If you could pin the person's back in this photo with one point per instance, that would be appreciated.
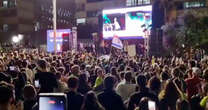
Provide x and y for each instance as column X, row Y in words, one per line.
column 47, row 81
column 144, row 92
column 28, row 105
column 109, row 98
column 29, row 94
column 75, row 100
column 7, row 96
column 194, row 83
column 91, row 102
column 125, row 89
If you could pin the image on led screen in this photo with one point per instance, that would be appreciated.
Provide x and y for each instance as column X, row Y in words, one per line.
column 127, row 22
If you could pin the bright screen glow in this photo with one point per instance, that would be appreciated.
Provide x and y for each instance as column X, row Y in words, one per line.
column 127, row 23
column 51, row 103
column 59, row 39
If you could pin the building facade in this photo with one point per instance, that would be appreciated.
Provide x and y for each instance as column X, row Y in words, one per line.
column 16, row 17
column 32, row 18
column 87, row 11
column 44, row 18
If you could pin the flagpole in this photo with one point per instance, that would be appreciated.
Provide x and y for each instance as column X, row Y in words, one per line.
column 54, row 24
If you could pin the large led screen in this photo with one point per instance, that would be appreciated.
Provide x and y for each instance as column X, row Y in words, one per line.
column 60, row 39
column 127, row 23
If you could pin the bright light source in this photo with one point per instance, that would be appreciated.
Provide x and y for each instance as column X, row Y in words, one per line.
column 15, row 39
column 20, row 36
column 183, row 45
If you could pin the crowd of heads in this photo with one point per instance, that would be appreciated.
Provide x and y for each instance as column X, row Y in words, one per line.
column 118, row 82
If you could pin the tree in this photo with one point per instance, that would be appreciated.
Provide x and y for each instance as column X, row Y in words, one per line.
column 192, row 34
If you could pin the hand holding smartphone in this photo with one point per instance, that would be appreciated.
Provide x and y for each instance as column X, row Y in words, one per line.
column 151, row 105
column 37, row 84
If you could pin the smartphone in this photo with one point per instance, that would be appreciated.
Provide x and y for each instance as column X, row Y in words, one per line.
column 151, row 105
column 37, row 84
column 12, row 68
column 52, row 101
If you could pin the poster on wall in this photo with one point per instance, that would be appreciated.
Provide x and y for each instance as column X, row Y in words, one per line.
column 131, row 50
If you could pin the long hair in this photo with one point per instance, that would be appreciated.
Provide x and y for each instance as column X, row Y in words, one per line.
column 170, row 93
column 91, row 102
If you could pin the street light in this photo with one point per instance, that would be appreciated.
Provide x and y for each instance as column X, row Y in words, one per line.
column 15, row 39
column 20, row 36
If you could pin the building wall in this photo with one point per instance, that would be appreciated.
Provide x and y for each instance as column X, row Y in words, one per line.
column 33, row 18
column 91, row 10
column 16, row 18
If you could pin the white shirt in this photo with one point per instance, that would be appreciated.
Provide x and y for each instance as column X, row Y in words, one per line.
column 125, row 89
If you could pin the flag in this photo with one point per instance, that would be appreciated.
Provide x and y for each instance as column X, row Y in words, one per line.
column 117, row 43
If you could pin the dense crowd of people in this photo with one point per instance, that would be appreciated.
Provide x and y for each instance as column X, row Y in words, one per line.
column 90, row 82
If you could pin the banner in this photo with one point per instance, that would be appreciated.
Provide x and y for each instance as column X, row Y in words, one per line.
column 131, row 50
column 117, row 43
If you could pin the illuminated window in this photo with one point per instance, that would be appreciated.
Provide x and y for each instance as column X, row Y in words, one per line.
column 92, row 13
column 194, row 4
column 5, row 4
column 5, row 27
column 81, row 20
column 136, row 2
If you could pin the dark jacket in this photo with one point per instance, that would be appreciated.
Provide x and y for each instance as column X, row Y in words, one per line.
column 47, row 81
column 136, row 98
column 75, row 100
column 28, row 104
column 110, row 100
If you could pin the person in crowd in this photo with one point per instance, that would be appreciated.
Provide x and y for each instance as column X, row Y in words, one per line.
column 62, row 86
column 75, row 70
column 126, row 88
column 194, row 83
column 114, row 72
column 30, row 75
column 7, row 99
column 109, row 99
column 155, row 85
column 168, row 97
column 143, row 92
column 122, row 76
column 83, row 69
column 205, row 96
column 91, row 102
column 5, row 77
column 83, row 84
column 177, row 80
column 143, row 104
column 164, row 77
column 30, row 97
column 99, row 80
column 182, row 105
column 47, row 80
column 75, row 99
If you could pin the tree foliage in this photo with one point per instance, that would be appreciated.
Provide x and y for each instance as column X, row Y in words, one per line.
column 193, row 33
